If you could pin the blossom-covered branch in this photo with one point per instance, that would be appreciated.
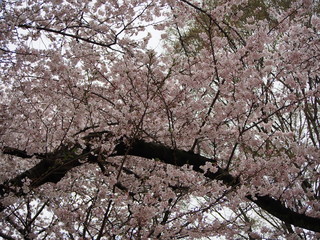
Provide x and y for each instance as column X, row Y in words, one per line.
column 54, row 166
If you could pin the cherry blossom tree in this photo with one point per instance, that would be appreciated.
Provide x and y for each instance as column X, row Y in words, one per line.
column 103, row 137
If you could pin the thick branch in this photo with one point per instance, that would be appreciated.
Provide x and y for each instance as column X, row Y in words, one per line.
column 176, row 157
column 277, row 209
column 52, row 170
column 180, row 158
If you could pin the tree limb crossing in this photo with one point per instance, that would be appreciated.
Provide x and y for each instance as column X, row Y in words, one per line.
column 52, row 169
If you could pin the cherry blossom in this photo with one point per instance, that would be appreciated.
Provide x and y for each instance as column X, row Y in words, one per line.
column 216, row 135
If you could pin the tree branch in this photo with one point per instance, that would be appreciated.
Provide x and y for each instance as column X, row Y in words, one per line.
column 52, row 169
column 230, row 40
column 60, row 32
